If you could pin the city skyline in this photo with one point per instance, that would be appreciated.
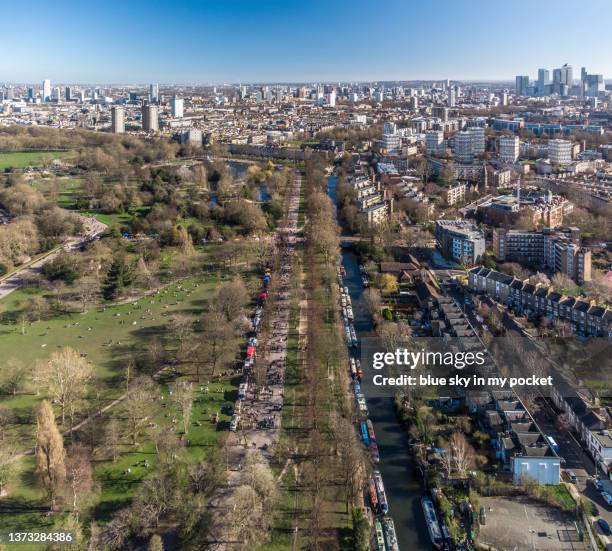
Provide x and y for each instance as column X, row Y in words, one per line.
column 206, row 43
column 225, row 225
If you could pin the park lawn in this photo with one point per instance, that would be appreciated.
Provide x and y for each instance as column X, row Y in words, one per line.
column 111, row 220
column 26, row 506
column 67, row 190
column 116, row 331
column 11, row 303
column 116, row 220
column 105, row 334
column 23, row 159
column 118, row 485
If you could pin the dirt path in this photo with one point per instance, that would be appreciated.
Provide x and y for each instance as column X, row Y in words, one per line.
column 264, row 405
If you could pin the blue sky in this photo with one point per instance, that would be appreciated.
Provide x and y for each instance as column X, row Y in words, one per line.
column 200, row 41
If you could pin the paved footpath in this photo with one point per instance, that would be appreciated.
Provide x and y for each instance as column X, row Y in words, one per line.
column 92, row 229
column 262, row 408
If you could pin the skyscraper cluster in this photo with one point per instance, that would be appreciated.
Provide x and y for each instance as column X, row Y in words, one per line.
column 562, row 83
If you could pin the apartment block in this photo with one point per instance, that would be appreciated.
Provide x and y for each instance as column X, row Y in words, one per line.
column 454, row 194
column 460, row 240
column 150, row 121
column 560, row 152
column 434, row 142
column 468, row 144
column 117, row 120
column 509, row 149
column 555, row 251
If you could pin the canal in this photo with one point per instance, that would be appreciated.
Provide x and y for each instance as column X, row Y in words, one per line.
column 403, row 490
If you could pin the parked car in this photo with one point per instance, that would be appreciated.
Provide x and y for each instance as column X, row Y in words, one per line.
column 604, row 527
column 607, row 498
column 571, row 476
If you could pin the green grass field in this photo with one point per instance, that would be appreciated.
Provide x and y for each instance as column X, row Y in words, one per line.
column 118, row 485
column 66, row 191
column 23, row 159
column 26, row 507
column 107, row 336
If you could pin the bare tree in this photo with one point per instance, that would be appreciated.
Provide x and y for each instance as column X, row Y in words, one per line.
column 217, row 340
column 181, row 326
column 231, row 298
column 138, row 407
column 50, row 454
column 112, row 438
column 373, row 297
column 563, row 328
column 116, row 533
column 80, row 483
column 446, row 460
column 128, row 374
column 350, row 458
column 247, row 519
column 8, row 452
column 6, row 419
column 65, row 376
column 168, row 446
column 86, row 292
column 393, row 335
column 462, row 452
column 185, row 242
column 182, row 397
column 563, row 283
column 600, row 287
column 200, row 176
column 261, row 479
column 14, row 376
column 155, row 355
column 36, row 307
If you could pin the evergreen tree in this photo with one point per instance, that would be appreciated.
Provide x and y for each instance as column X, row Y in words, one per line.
column 119, row 276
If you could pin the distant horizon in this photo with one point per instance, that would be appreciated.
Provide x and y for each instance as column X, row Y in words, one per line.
column 259, row 83
column 286, row 41
column 270, row 83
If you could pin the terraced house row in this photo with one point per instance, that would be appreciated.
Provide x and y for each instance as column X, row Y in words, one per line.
column 585, row 317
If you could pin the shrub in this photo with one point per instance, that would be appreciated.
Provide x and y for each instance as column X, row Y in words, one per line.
column 64, row 267
column 361, row 529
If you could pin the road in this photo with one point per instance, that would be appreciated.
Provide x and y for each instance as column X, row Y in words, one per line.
column 92, row 228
